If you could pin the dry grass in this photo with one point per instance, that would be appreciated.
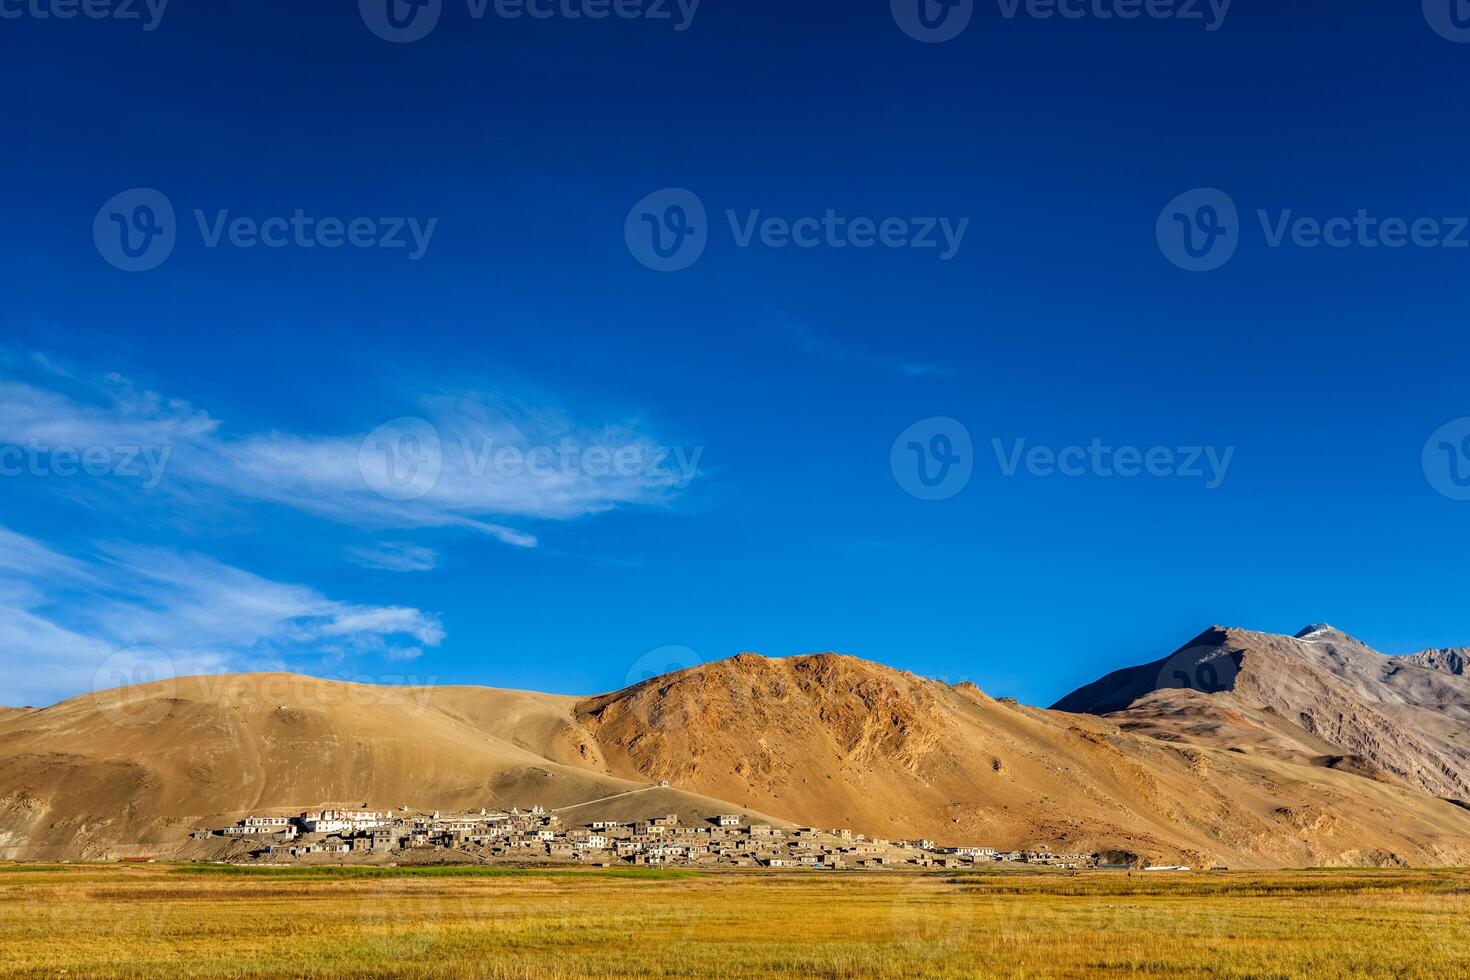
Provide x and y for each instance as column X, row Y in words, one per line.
column 157, row 920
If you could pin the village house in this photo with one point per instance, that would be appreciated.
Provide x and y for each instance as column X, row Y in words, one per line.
column 535, row 834
column 269, row 825
column 244, row 831
column 337, row 821
column 592, row 842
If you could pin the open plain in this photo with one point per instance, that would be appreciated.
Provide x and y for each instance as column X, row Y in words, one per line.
column 220, row 921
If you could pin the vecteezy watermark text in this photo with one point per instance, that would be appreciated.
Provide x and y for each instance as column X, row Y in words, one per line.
column 149, row 13
column 304, row 231
column 569, row 458
column 678, row 12
column 832, row 230
column 1097, row 459
column 934, row 21
column 669, row 230
column 404, row 21
column 136, row 230
column 404, row 459
column 132, row 462
column 1363, row 230
column 934, row 459
column 1210, row 14
column 1200, row 230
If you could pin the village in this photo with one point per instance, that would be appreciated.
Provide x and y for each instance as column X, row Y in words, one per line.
column 535, row 835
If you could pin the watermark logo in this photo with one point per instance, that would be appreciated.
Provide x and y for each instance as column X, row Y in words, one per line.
column 1199, row 230
column 660, row 661
column 401, row 925
column 671, row 704
column 1362, row 230
column 405, row 459
column 1449, row 18
column 292, row 694
column 405, row 21
column 1206, row 669
column 678, row 12
column 933, row 459
column 135, row 231
column 302, row 230
column 148, row 12
column 127, row 685
column 933, row 21
column 145, row 463
column 1098, row 459
column 673, row 466
column 1109, row 909
column 836, row 231
column 401, row 21
column 936, row 21
column 1446, row 459
column 1210, row 13
column 931, row 920
column 401, row 459
column 668, row 230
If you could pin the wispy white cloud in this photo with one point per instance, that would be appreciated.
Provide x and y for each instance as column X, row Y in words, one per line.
column 484, row 463
column 395, row 557
column 116, row 415
column 26, row 557
column 68, row 621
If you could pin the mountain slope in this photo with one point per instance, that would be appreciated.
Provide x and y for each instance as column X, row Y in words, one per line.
column 1320, row 697
column 831, row 740
column 1450, row 661
column 139, row 768
column 825, row 740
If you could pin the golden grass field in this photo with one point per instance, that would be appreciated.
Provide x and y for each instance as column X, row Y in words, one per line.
column 163, row 920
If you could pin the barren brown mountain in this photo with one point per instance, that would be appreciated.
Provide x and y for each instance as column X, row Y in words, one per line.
column 826, row 740
column 1319, row 698
column 134, row 770
column 832, row 740
column 1450, row 661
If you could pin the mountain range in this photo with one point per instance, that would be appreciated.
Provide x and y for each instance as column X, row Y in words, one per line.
column 1241, row 749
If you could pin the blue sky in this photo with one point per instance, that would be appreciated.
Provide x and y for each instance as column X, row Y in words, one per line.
column 525, row 316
